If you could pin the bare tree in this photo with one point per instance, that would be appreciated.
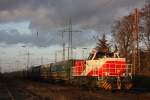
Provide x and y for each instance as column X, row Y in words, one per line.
column 145, row 35
column 123, row 30
column 122, row 34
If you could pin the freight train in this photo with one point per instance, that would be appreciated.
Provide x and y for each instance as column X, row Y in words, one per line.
column 101, row 70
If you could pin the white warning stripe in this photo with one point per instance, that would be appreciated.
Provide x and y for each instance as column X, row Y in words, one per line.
column 93, row 64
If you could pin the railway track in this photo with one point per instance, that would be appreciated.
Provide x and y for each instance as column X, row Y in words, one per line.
column 5, row 94
column 10, row 94
column 10, row 91
column 20, row 89
column 56, row 91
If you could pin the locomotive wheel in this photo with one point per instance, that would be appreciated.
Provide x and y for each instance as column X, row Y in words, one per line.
column 128, row 86
column 92, row 84
column 127, row 83
column 119, row 85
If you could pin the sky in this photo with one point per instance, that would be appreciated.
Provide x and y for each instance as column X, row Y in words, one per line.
column 20, row 20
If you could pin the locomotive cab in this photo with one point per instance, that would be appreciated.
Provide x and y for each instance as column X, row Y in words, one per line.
column 99, row 54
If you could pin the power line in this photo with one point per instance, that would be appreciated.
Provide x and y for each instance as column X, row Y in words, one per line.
column 70, row 42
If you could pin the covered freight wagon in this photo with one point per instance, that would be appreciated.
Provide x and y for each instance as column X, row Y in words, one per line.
column 63, row 70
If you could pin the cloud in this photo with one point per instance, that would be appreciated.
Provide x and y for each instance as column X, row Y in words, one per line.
column 48, row 15
column 11, row 37
column 14, row 37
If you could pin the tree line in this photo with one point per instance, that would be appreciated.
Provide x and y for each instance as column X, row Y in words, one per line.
column 131, row 30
